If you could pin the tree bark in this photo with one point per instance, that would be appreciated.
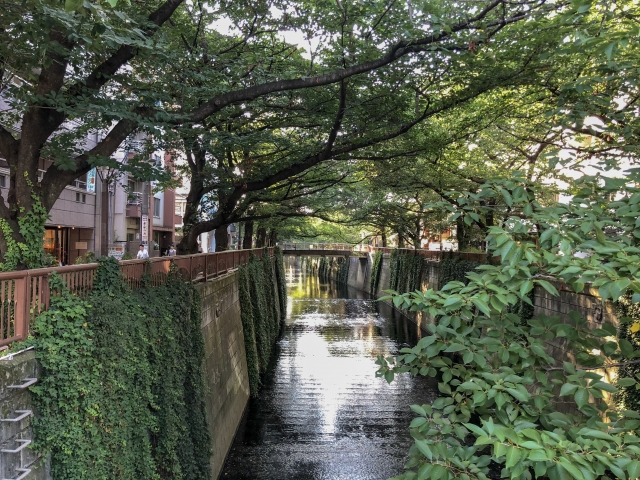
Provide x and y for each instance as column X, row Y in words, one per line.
column 222, row 238
column 383, row 234
column 273, row 238
column 261, row 239
column 247, row 240
column 461, row 234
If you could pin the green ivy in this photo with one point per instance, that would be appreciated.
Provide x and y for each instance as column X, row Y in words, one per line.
column 455, row 270
column 259, row 308
column 405, row 271
column 629, row 396
column 121, row 394
column 376, row 268
column 31, row 227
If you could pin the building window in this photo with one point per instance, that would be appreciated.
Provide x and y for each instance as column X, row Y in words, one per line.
column 158, row 160
column 179, row 209
column 156, row 207
column 81, row 197
column 3, row 181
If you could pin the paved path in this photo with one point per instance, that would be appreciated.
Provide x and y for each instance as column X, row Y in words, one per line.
column 322, row 414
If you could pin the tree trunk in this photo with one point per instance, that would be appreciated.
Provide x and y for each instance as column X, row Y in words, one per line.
column 400, row 240
column 222, row 238
column 247, row 240
column 461, row 234
column 273, row 238
column 383, row 234
column 261, row 239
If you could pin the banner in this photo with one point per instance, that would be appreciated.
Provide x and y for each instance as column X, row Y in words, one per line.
column 91, row 180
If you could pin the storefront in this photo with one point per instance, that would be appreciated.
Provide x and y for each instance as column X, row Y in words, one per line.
column 56, row 244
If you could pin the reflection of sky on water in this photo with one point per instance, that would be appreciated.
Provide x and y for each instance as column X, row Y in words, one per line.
column 322, row 414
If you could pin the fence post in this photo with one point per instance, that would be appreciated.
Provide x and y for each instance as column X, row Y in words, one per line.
column 21, row 320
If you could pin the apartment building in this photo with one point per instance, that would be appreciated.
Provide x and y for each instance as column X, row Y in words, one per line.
column 140, row 214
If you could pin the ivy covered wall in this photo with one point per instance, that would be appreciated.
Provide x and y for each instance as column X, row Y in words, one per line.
column 405, row 271
column 263, row 307
column 121, row 393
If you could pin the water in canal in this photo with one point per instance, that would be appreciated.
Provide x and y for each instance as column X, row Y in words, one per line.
column 321, row 413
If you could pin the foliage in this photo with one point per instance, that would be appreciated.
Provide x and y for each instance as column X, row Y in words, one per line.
column 281, row 282
column 376, row 268
column 127, row 256
column 405, row 271
column 88, row 257
column 121, row 393
column 629, row 396
column 499, row 386
column 261, row 312
column 30, row 251
column 454, row 269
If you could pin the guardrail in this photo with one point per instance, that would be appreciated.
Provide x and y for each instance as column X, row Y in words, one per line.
column 430, row 254
column 25, row 294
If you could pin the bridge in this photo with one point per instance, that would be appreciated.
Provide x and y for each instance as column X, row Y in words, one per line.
column 347, row 249
column 324, row 249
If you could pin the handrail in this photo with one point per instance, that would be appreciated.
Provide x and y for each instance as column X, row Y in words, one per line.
column 359, row 248
column 25, row 293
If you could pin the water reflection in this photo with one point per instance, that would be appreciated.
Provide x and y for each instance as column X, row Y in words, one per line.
column 321, row 413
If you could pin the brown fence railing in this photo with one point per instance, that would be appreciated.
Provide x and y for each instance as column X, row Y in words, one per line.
column 24, row 294
column 430, row 254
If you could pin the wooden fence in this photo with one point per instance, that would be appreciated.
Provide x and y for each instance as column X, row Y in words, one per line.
column 25, row 294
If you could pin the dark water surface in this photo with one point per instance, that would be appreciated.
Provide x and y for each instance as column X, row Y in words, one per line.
column 321, row 413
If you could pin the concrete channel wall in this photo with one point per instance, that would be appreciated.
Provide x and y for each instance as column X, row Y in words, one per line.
column 225, row 363
column 225, row 370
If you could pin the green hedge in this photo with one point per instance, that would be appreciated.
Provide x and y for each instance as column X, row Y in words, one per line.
column 121, row 393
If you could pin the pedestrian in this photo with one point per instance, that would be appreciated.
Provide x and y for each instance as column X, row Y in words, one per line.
column 172, row 250
column 142, row 252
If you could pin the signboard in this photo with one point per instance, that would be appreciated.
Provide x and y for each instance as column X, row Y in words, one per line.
column 145, row 229
column 116, row 252
column 81, row 245
column 91, row 180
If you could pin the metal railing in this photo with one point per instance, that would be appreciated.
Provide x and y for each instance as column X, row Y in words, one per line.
column 430, row 254
column 25, row 294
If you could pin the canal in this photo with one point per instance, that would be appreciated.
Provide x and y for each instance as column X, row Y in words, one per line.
column 321, row 413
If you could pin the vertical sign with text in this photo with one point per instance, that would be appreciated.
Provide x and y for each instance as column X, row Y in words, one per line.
column 144, row 227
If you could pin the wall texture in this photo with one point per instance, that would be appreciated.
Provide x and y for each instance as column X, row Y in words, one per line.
column 15, row 403
column 225, row 363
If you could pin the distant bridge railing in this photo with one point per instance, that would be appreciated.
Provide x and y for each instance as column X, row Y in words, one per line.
column 25, row 294
column 430, row 254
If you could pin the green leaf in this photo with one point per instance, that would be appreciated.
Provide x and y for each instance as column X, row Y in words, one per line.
column 581, row 397
column 548, row 287
column 424, row 449
column 569, row 467
column 512, row 457
column 568, row 389
column 455, row 347
column 607, row 387
column 634, row 469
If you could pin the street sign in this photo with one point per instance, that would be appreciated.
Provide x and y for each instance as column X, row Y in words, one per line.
column 145, row 229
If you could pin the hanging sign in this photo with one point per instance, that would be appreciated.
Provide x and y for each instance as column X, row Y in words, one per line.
column 145, row 228
column 91, row 180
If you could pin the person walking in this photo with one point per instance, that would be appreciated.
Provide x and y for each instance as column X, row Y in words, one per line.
column 142, row 252
column 172, row 250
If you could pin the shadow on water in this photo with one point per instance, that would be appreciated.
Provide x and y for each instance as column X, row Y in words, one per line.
column 321, row 413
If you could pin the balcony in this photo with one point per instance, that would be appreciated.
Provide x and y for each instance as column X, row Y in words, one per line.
column 134, row 210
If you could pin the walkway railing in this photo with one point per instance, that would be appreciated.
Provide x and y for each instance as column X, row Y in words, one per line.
column 430, row 254
column 25, row 294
